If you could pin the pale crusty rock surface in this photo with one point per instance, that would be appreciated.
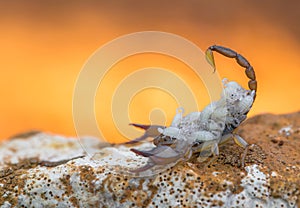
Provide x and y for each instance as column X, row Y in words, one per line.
column 43, row 170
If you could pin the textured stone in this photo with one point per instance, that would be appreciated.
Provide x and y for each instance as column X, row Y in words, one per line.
column 43, row 170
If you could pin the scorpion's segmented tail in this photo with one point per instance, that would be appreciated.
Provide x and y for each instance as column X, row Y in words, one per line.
column 241, row 60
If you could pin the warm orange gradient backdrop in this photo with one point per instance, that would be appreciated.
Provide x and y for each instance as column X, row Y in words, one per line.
column 44, row 44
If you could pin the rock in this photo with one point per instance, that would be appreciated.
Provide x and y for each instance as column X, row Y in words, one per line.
column 43, row 170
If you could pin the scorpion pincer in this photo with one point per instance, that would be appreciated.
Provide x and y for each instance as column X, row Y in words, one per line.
column 200, row 133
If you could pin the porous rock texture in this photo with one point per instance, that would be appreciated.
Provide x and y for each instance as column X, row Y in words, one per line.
column 44, row 170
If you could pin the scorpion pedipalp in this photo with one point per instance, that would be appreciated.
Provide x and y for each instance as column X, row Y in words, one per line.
column 241, row 60
column 150, row 131
column 163, row 156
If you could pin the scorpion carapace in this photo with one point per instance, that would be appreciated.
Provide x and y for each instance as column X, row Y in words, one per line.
column 200, row 133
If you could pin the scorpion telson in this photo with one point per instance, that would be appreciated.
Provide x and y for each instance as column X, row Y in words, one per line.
column 201, row 133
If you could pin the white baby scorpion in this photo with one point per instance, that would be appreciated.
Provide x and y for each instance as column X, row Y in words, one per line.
column 201, row 132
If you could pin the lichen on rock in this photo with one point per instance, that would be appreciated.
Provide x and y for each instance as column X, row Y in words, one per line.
column 43, row 170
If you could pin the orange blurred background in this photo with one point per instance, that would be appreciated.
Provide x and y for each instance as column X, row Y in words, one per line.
column 44, row 44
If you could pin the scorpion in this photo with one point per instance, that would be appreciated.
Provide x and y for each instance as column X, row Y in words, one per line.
column 201, row 133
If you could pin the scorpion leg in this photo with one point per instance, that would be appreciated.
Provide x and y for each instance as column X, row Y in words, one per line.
column 150, row 131
column 241, row 60
column 215, row 149
column 214, row 152
column 241, row 142
column 159, row 156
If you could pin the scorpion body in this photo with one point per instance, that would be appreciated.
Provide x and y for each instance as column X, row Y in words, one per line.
column 200, row 133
